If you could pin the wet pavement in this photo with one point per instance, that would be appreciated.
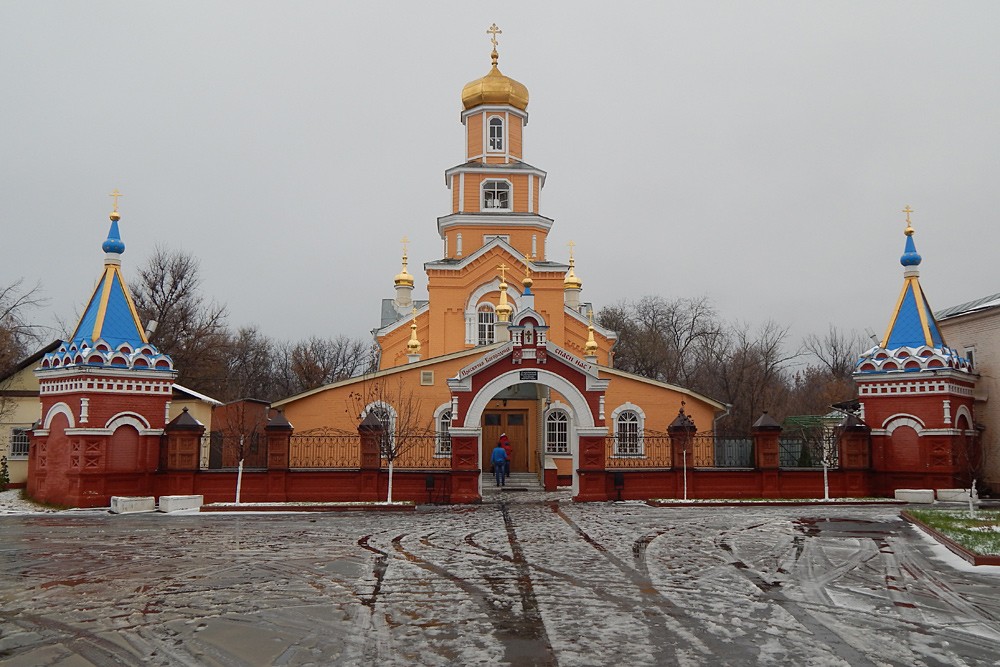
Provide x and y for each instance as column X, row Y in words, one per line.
column 526, row 579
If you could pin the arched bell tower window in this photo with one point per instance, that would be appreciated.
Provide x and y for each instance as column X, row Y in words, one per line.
column 495, row 139
column 487, row 323
column 496, row 196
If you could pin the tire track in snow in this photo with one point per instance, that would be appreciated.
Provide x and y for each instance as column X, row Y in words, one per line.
column 674, row 617
column 522, row 634
column 829, row 635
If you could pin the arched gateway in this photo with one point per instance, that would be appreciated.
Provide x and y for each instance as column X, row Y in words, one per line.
column 537, row 363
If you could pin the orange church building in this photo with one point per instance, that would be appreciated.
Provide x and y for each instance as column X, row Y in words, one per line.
column 503, row 343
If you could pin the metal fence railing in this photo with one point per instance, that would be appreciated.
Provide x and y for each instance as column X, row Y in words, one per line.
column 797, row 452
column 324, row 448
column 422, row 452
column 649, row 449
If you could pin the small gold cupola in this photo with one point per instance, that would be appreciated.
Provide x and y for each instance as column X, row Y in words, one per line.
column 495, row 88
column 403, row 278
column 504, row 310
column 404, row 285
column 413, row 345
column 590, row 349
column 571, row 283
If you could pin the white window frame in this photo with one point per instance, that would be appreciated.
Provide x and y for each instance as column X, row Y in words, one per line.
column 442, row 431
column 629, row 443
column 19, row 437
column 491, row 332
column 557, row 417
column 491, row 146
column 492, row 184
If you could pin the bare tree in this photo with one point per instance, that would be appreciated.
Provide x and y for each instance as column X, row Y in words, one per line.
column 660, row 338
column 837, row 352
column 318, row 361
column 750, row 371
column 398, row 408
column 250, row 366
column 188, row 327
column 18, row 336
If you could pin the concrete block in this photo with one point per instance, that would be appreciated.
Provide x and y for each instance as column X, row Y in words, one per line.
column 132, row 504
column 956, row 496
column 915, row 495
column 174, row 503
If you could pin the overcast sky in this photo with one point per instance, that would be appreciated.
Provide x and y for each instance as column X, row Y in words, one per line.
column 757, row 153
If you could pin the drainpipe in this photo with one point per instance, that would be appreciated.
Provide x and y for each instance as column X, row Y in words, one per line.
column 715, row 422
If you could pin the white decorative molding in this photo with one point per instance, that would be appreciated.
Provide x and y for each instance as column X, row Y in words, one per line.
column 903, row 419
column 127, row 419
column 58, row 409
column 579, row 409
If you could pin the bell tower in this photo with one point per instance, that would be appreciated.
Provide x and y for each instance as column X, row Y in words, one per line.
column 494, row 192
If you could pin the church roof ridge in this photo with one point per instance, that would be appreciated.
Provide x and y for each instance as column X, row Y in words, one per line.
column 982, row 303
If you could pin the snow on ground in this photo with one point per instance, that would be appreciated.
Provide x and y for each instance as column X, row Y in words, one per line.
column 526, row 578
column 12, row 503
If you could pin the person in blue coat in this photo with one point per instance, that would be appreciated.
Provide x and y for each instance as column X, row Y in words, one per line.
column 498, row 459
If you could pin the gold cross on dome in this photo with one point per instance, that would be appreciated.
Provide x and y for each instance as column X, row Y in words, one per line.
column 404, row 241
column 908, row 211
column 493, row 31
column 115, row 195
column 528, row 259
column 503, row 275
column 571, row 246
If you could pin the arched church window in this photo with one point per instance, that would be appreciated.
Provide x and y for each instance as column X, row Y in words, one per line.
column 557, row 432
column 487, row 323
column 444, row 432
column 496, row 196
column 628, row 440
column 496, row 134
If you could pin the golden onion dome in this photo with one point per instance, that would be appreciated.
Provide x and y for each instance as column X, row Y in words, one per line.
column 571, row 281
column 403, row 278
column 495, row 88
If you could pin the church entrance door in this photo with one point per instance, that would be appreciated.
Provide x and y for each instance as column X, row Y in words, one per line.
column 515, row 424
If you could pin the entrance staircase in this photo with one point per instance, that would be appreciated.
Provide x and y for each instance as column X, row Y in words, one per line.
column 517, row 481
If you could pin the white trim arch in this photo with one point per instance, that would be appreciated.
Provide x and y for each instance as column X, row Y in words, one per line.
column 439, row 448
column 895, row 421
column 59, row 409
column 578, row 407
column 133, row 419
column 631, row 448
column 472, row 307
column 963, row 411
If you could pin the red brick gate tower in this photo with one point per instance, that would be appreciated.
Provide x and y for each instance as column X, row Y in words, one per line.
column 915, row 394
column 105, row 394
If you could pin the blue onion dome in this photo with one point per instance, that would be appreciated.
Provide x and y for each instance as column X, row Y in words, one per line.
column 114, row 241
column 910, row 256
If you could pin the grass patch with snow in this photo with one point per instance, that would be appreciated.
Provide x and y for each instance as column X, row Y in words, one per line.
column 978, row 532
